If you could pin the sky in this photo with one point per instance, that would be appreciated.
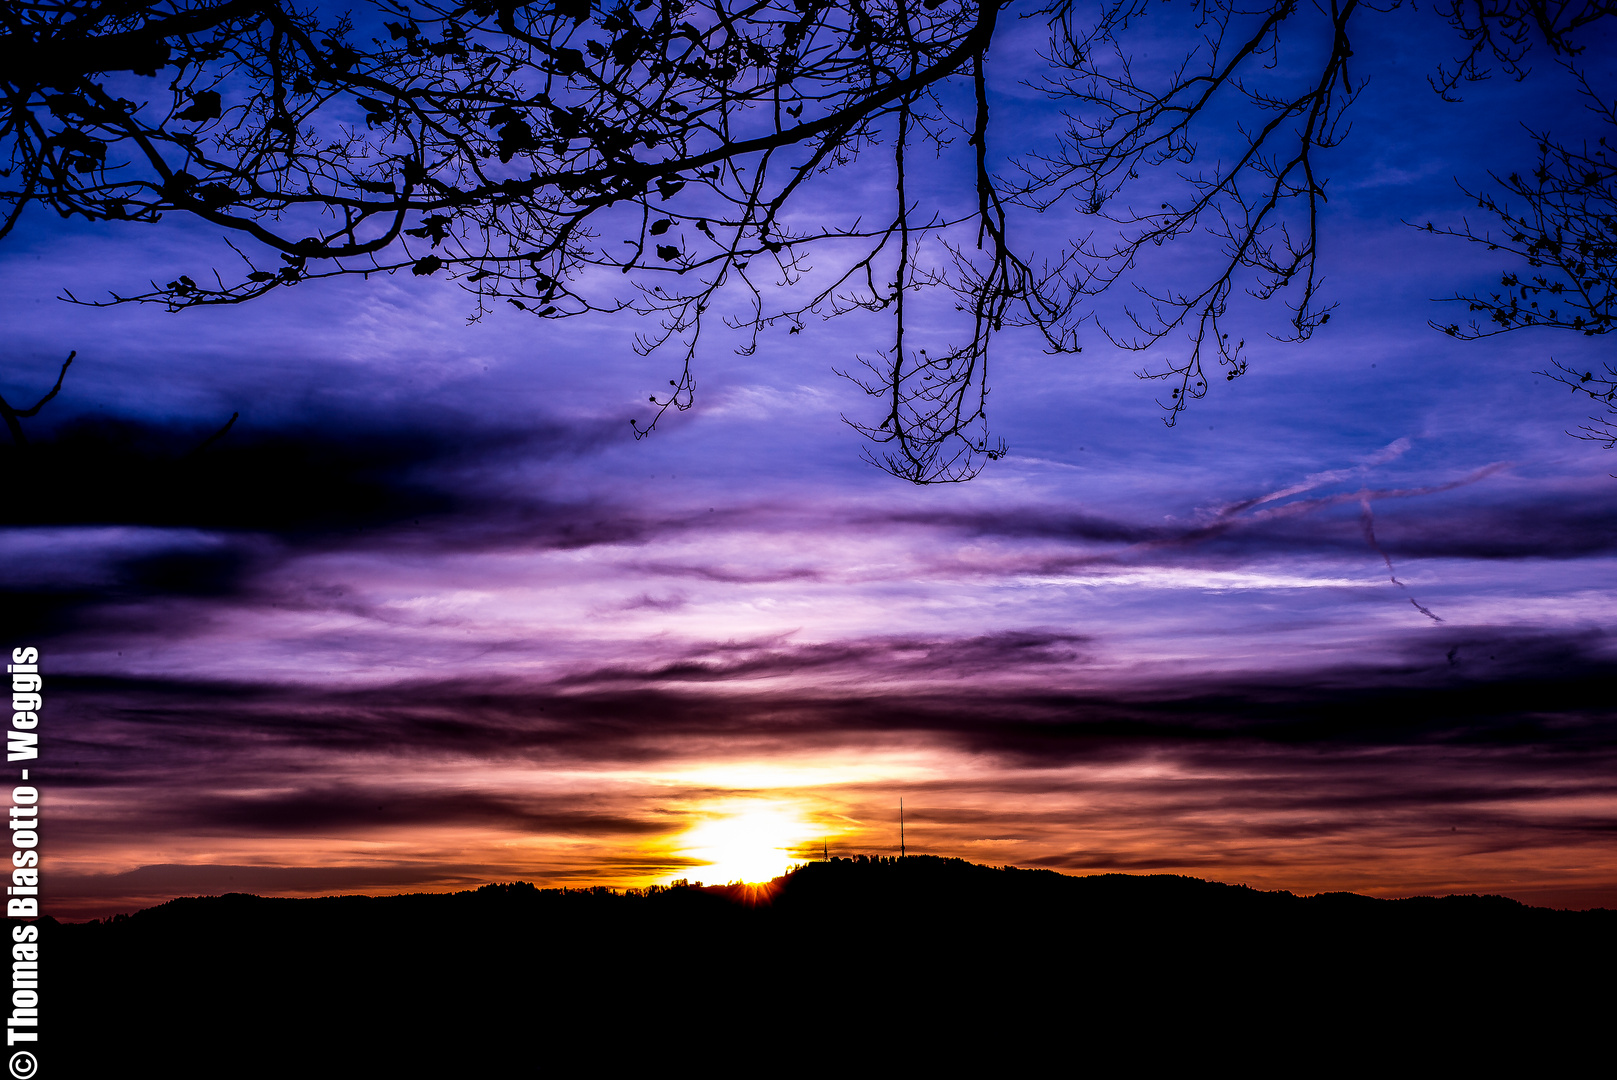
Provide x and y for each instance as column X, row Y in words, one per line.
column 428, row 616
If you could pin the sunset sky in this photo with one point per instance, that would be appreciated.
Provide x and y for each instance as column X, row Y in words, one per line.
column 501, row 639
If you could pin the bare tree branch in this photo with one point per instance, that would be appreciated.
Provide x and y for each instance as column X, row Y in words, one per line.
column 652, row 156
column 13, row 416
column 1560, row 220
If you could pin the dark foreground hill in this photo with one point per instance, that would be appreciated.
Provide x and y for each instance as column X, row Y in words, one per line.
column 868, row 959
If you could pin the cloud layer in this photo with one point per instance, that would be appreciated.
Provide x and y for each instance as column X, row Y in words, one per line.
column 427, row 614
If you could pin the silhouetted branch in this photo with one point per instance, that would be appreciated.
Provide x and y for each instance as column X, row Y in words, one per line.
column 1561, row 221
column 1507, row 30
column 1129, row 127
column 648, row 156
column 211, row 439
column 12, row 416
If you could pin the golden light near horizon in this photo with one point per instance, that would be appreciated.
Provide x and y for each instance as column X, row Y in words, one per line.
column 747, row 842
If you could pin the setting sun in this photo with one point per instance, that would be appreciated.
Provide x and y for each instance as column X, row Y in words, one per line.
column 751, row 844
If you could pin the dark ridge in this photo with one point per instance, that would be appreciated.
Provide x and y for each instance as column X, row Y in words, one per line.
column 952, row 956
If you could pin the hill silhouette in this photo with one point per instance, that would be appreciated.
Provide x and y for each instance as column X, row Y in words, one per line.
column 943, row 956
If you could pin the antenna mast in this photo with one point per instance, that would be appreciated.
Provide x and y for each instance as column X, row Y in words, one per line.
column 901, row 828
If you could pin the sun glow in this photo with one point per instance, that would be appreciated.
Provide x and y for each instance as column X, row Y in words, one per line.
column 750, row 843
